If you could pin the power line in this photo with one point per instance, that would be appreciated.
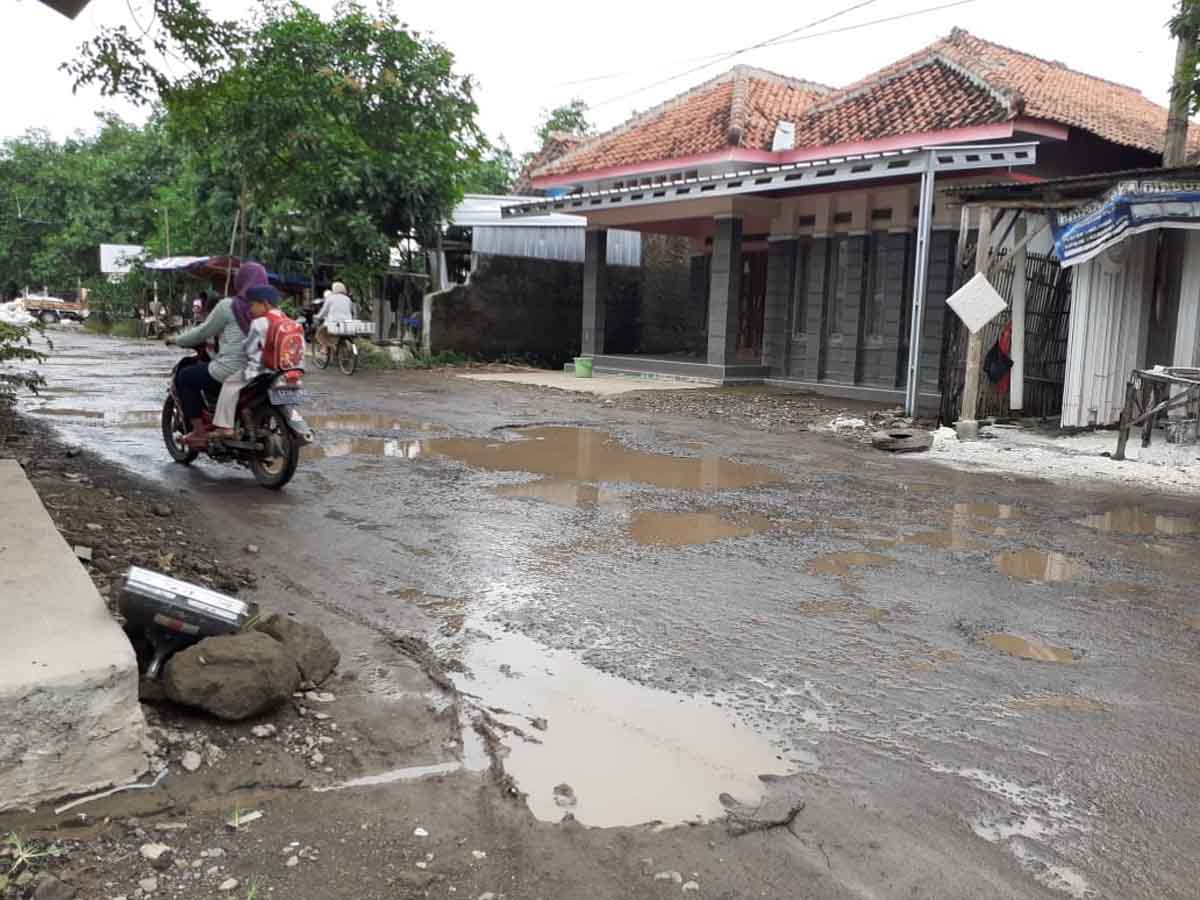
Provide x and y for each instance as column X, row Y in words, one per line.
column 734, row 53
column 789, row 38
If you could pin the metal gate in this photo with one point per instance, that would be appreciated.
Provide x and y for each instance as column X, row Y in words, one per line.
column 1047, row 316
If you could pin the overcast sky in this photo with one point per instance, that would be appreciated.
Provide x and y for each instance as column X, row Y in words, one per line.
column 529, row 55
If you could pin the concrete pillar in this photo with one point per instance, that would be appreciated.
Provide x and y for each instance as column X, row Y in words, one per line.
column 781, row 287
column 724, row 292
column 595, row 291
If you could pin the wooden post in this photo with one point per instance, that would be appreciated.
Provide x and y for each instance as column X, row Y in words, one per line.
column 967, row 427
column 1016, row 396
column 1127, row 416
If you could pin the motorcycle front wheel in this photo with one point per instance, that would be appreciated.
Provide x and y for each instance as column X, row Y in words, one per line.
column 275, row 464
column 174, row 427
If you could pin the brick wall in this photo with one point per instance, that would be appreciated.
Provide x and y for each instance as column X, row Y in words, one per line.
column 672, row 319
column 522, row 306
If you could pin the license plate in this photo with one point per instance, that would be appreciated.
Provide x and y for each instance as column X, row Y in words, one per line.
column 288, row 396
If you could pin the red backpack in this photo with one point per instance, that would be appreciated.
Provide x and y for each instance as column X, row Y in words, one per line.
column 284, row 346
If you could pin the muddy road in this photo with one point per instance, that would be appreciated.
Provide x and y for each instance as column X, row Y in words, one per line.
column 980, row 685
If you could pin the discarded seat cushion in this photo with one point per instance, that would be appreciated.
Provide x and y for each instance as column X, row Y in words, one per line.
column 314, row 653
column 234, row 677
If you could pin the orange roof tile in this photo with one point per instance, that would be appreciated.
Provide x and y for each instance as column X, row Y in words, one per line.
column 958, row 81
column 739, row 108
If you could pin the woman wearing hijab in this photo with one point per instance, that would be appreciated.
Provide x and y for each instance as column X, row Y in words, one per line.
column 229, row 323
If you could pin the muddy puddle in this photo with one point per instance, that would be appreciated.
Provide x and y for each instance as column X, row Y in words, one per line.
column 128, row 418
column 381, row 447
column 575, row 454
column 1024, row 648
column 1135, row 520
column 629, row 753
column 1037, row 565
column 845, row 563
column 368, row 422
column 680, row 529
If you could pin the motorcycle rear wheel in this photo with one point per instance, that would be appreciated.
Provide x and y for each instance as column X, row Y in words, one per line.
column 174, row 427
column 275, row 466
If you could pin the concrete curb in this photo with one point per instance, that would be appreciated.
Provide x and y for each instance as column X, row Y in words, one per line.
column 72, row 723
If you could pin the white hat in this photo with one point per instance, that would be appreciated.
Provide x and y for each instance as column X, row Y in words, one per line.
column 339, row 288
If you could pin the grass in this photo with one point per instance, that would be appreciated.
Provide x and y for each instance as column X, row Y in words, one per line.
column 26, row 855
column 126, row 328
column 122, row 328
column 371, row 356
column 437, row 360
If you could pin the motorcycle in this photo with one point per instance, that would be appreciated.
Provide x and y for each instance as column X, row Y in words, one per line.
column 269, row 429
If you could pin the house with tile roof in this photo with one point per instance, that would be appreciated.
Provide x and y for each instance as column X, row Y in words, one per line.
column 822, row 250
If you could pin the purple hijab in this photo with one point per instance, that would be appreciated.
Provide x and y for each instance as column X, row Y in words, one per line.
column 249, row 275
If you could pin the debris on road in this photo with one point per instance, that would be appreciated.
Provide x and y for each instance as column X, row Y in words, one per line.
column 313, row 651
column 192, row 761
column 902, row 440
column 234, row 677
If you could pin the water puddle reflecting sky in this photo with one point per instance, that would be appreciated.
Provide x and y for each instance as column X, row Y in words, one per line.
column 629, row 753
column 1037, row 565
column 572, row 454
column 1135, row 520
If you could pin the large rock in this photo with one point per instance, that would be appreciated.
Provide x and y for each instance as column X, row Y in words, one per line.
column 234, row 676
column 313, row 652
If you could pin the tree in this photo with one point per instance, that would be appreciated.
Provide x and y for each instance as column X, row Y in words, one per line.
column 570, row 118
column 343, row 136
column 495, row 171
column 1185, row 25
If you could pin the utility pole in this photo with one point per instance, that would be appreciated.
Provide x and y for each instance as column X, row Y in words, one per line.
column 1175, row 146
column 967, row 426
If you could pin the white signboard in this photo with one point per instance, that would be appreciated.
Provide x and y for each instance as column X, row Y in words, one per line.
column 118, row 259
column 977, row 303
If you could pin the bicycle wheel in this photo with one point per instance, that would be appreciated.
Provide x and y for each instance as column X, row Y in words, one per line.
column 347, row 358
column 321, row 355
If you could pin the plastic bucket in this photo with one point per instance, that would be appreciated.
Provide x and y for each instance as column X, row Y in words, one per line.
column 583, row 367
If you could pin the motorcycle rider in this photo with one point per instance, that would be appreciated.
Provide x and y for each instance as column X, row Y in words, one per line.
column 229, row 322
column 261, row 299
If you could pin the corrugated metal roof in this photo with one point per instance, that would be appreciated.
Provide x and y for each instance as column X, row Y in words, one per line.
column 552, row 242
column 1074, row 185
column 484, row 209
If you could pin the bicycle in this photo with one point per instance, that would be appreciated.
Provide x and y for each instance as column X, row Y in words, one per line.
column 345, row 350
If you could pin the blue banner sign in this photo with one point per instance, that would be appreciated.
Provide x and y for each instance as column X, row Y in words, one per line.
column 1129, row 208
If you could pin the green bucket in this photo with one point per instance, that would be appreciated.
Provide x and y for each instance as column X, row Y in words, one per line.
column 583, row 367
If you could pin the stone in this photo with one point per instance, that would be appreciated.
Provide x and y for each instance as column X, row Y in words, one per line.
column 158, row 855
column 420, row 832
column 148, row 885
column 669, row 876
column 192, row 761
column 229, row 884
column 50, row 888
column 161, row 510
column 314, row 653
column 323, row 697
column 94, row 526
column 252, row 549
column 292, row 862
column 263, row 731
column 84, row 554
column 318, row 758
column 234, row 677
column 479, row 854
column 691, row 887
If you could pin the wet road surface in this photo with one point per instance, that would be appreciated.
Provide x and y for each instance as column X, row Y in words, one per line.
column 986, row 675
